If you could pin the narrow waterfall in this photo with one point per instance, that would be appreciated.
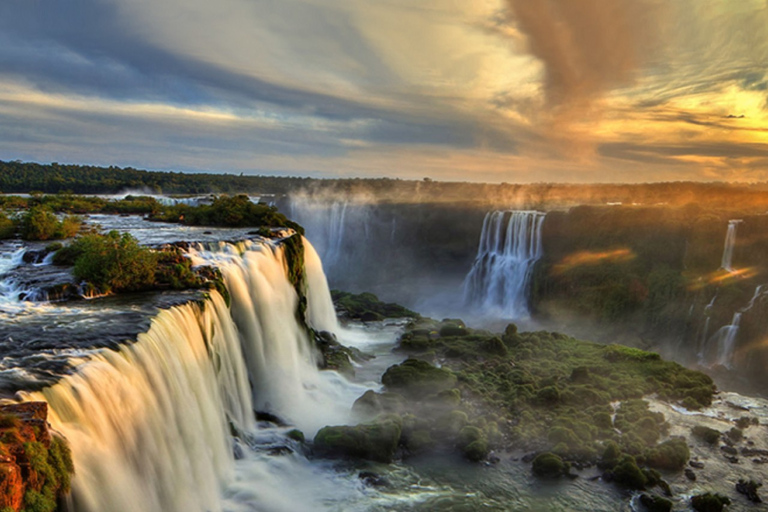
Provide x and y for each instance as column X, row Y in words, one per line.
column 730, row 242
column 510, row 245
column 723, row 342
column 150, row 424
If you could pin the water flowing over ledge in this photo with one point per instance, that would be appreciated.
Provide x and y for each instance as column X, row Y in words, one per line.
column 150, row 424
column 510, row 245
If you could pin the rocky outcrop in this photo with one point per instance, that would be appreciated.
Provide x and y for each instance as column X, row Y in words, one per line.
column 35, row 466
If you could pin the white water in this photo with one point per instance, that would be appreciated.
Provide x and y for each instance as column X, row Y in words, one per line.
column 724, row 340
column 336, row 228
column 510, row 245
column 11, row 256
column 730, row 242
column 149, row 424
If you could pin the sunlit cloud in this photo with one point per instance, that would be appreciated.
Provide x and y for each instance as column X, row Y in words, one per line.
column 494, row 90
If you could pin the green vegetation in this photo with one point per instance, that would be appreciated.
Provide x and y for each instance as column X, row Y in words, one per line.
column 709, row 502
column 44, row 461
column 548, row 465
column 367, row 307
column 40, row 223
column 227, row 211
column 376, row 441
column 655, row 503
column 118, row 263
column 417, row 378
column 111, row 262
column 7, row 227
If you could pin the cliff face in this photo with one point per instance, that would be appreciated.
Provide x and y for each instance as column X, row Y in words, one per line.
column 35, row 466
column 657, row 272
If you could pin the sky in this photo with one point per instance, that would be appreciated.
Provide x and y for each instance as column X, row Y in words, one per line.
column 468, row 90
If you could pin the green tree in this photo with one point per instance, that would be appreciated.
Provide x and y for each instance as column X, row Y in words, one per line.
column 114, row 262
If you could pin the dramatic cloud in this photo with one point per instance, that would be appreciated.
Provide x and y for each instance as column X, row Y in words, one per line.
column 500, row 90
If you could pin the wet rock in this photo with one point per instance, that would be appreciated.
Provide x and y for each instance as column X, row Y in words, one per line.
column 709, row 502
column 731, row 459
column 375, row 441
column 749, row 489
column 270, row 418
column 696, row 464
column 690, row 475
column 754, row 452
column 279, row 451
column 655, row 503
column 730, row 450
column 372, row 479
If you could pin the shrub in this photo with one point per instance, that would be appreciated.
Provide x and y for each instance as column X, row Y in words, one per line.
column 548, row 465
column 709, row 502
column 7, row 227
column 113, row 262
column 39, row 223
column 672, row 454
column 706, row 434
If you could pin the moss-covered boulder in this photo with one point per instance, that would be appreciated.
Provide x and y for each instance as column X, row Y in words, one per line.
column 706, row 434
column 548, row 465
column 672, row 454
column 367, row 307
column 709, row 502
column 653, row 503
column 473, row 443
column 416, row 378
column 376, row 441
column 372, row 404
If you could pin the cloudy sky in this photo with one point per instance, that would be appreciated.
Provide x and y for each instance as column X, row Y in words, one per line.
column 480, row 90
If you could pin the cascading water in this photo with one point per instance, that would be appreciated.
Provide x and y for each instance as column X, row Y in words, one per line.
column 337, row 228
column 730, row 242
column 723, row 342
column 510, row 245
column 149, row 425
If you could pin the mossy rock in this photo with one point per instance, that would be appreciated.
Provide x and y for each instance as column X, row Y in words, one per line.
column 296, row 435
column 709, row 502
column 452, row 329
column 372, row 404
column 415, row 378
column 548, row 465
column 653, row 503
column 706, row 434
column 672, row 454
column 376, row 441
column 629, row 474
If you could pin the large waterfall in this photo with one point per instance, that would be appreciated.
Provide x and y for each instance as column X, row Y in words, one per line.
column 150, row 424
column 730, row 242
column 510, row 245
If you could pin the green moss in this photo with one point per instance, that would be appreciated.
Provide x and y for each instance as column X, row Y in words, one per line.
column 548, row 465
column 368, row 307
column 672, row 454
column 709, row 502
column 706, row 434
column 628, row 474
column 375, row 441
column 655, row 503
column 296, row 435
column 418, row 378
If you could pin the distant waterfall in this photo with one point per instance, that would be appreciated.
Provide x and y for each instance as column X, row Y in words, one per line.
column 510, row 245
column 730, row 242
column 150, row 424
column 338, row 228
column 722, row 345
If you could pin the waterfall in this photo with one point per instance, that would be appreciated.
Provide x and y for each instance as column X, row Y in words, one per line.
column 724, row 340
column 510, row 245
column 338, row 229
column 730, row 241
column 150, row 424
